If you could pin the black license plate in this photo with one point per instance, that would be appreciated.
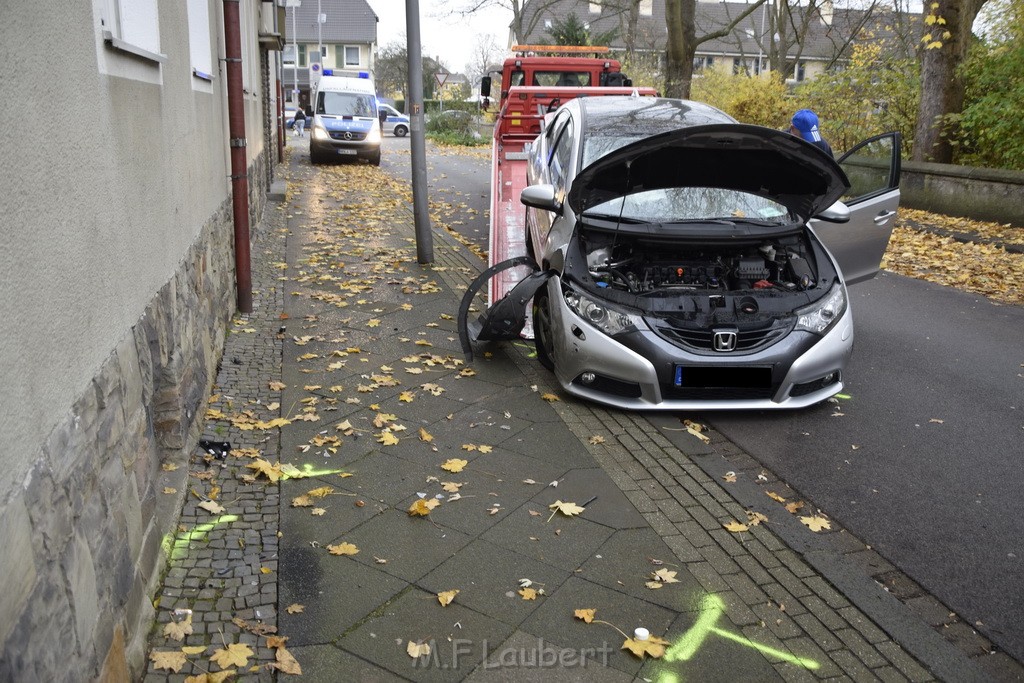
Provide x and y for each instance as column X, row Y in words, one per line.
column 702, row 376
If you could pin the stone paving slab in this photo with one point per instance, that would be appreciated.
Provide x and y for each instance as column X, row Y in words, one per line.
column 745, row 606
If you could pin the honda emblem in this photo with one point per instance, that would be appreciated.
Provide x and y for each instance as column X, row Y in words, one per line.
column 724, row 341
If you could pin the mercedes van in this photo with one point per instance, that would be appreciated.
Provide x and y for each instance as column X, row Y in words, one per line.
column 345, row 123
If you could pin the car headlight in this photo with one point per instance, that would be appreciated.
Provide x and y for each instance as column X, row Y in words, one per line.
column 608, row 319
column 320, row 133
column 373, row 135
column 822, row 314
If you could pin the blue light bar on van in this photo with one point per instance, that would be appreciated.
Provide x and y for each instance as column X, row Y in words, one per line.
column 328, row 72
column 364, row 74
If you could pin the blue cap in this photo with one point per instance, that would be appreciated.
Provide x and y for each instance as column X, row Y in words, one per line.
column 806, row 121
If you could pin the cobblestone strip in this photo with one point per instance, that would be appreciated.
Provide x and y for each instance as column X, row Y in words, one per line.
column 223, row 563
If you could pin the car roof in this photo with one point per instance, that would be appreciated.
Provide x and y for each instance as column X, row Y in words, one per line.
column 628, row 115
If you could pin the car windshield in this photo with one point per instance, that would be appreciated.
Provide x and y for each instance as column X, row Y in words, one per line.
column 345, row 104
column 692, row 204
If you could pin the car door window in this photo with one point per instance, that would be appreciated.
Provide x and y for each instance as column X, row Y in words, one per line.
column 873, row 167
column 561, row 157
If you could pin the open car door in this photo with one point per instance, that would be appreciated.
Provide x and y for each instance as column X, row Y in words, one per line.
column 873, row 168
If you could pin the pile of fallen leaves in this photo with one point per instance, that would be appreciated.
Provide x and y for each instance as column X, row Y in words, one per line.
column 923, row 246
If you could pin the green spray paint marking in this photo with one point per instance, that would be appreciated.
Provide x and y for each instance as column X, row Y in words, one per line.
column 690, row 642
column 197, row 533
column 307, row 471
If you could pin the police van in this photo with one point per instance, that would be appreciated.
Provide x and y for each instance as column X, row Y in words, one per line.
column 346, row 123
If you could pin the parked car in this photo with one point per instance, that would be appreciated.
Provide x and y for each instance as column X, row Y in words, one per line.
column 396, row 123
column 687, row 261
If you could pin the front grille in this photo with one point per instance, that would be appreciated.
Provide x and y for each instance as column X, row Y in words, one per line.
column 701, row 339
column 670, row 392
column 340, row 135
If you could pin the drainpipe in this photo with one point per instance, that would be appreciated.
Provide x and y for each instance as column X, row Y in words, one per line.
column 280, row 119
column 239, row 175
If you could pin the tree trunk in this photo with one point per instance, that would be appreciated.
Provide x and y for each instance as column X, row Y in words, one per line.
column 942, row 89
column 681, row 46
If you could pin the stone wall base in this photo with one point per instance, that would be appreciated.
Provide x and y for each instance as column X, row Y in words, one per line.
column 85, row 538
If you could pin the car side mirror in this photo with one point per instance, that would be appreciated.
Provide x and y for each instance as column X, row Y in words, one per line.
column 837, row 213
column 382, row 115
column 485, row 86
column 541, row 197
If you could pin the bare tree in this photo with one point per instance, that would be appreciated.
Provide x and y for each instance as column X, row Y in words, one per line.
column 682, row 42
column 526, row 14
column 486, row 55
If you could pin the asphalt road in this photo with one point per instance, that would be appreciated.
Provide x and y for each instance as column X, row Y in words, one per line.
column 924, row 463
column 936, row 412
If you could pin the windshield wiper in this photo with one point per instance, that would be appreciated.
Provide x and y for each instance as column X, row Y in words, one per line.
column 621, row 219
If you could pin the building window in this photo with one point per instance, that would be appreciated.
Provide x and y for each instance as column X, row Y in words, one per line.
column 737, row 66
column 288, row 53
column 302, row 56
column 352, row 56
column 132, row 26
column 702, row 63
column 646, row 8
column 548, row 24
column 199, row 39
column 595, row 8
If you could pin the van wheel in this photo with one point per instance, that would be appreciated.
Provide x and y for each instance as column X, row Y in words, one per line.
column 375, row 159
column 542, row 339
column 400, row 131
column 314, row 158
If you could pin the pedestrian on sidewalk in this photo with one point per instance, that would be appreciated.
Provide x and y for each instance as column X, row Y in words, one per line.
column 300, row 122
column 805, row 125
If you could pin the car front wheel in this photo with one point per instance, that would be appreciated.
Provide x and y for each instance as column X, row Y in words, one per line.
column 542, row 328
column 400, row 131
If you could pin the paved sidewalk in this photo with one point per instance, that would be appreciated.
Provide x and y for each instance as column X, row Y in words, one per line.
column 355, row 345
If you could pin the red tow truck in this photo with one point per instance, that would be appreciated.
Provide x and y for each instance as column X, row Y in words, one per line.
column 533, row 85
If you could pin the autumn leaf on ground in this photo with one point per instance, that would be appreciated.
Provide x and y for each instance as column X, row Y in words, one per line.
column 816, row 523
column 168, row 467
column 380, row 420
column 454, row 465
column 295, row 608
column 418, row 649
column 277, row 386
column 213, row 507
column 423, row 506
column 271, row 472
column 446, row 597
column 386, row 438
column 425, row 436
column 218, row 677
column 407, row 396
column 652, row 647
column 696, row 430
column 729, row 477
column 595, row 440
column 177, row 630
column 172, row 660
column 345, row 428
column 303, row 501
column 735, row 527
column 550, row 398
column 528, row 593
column 169, row 490
column 451, row 486
column 469, row 447
column 343, row 549
column 235, row 654
column 485, row 449
column 665, row 576
column 286, row 663
column 318, row 512
column 320, row 492
column 586, row 615
column 774, row 496
column 567, row 509
column 755, row 518
column 794, row 506
column 432, row 389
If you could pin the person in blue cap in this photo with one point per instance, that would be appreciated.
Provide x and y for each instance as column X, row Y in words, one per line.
column 805, row 125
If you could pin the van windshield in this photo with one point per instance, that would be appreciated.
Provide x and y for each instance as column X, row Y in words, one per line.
column 345, row 104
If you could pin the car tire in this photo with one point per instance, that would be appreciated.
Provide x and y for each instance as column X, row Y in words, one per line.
column 314, row 158
column 401, row 131
column 542, row 339
column 375, row 159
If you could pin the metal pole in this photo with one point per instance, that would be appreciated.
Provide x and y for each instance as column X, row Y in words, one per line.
column 295, row 62
column 424, row 238
column 319, row 35
column 239, row 172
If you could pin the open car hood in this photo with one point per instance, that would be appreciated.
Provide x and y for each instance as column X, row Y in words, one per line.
column 753, row 159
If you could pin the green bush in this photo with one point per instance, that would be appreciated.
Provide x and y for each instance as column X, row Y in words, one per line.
column 991, row 128
column 759, row 100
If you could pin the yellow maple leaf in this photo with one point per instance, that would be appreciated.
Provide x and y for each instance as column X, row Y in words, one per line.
column 665, row 576
column 194, row 650
column 168, row 467
column 794, row 506
column 271, row 472
column 407, row 396
column 528, row 593
column 212, row 506
column 586, row 615
column 423, row 506
column 321, row 492
column 172, row 660
column 387, row 438
column 422, row 342
column 295, row 608
column 286, row 662
column 774, row 496
column 550, row 398
column 755, row 518
column 235, row 654
column 451, row 486
column 595, row 440
column 735, row 527
column 567, row 509
column 277, row 386
column 418, row 649
column 170, row 489
column 343, row 549
column 652, row 647
column 425, row 435
column 373, row 322
column 696, row 430
column 729, row 477
column 303, row 501
column 446, row 597
column 382, row 419
column 434, row 389
column 454, row 465
column 816, row 523
column 218, row 677
column 485, row 449
column 177, row 630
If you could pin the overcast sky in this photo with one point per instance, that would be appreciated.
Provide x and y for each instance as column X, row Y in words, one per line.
column 451, row 39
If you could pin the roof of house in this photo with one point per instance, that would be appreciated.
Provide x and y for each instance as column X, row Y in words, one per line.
column 348, row 21
column 823, row 40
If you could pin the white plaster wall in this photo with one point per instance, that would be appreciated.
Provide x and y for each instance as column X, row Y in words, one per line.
column 105, row 184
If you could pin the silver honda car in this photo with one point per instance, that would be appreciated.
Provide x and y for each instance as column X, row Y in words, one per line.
column 686, row 261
